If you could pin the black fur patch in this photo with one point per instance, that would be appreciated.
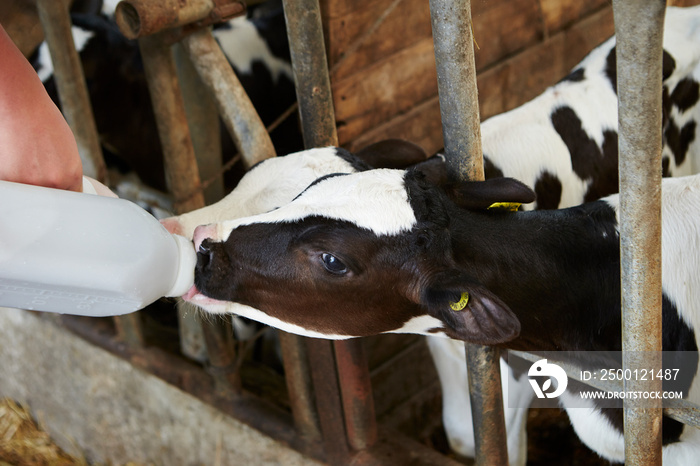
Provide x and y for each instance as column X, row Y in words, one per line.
column 611, row 68
column 686, row 94
column 548, row 189
column 578, row 75
column 587, row 159
column 490, row 170
column 679, row 140
column 665, row 171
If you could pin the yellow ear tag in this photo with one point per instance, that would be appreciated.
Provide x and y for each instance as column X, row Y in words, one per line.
column 511, row 206
column 461, row 304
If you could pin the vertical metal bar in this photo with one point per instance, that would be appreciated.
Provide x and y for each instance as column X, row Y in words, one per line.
column 297, row 374
column 312, row 82
column 639, row 30
column 181, row 170
column 239, row 115
column 328, row 400
column 218, row 335
column 182, row 175
column 70, row 81
column 356, row 394
column 459, row 99
column 203, row 121
column 311, row 78
column 459, row 108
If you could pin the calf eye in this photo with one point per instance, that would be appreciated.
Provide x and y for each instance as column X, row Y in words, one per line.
column 333, row 264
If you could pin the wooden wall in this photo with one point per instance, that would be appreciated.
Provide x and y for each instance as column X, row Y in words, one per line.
column 383, row 66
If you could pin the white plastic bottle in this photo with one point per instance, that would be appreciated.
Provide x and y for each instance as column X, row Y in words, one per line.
column 78, row 253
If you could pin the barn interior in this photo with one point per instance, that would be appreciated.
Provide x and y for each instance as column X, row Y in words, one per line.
column 167, row 385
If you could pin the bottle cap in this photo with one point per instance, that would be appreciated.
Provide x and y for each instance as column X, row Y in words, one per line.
column 185, row 274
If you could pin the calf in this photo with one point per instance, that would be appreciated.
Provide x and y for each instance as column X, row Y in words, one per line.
column 384, row 251
column 563, row 144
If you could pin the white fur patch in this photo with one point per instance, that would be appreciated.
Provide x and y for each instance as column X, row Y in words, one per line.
column 270, row 184
column 419, row 325
column 243, row 45
column 375, row 200
column 594, row 429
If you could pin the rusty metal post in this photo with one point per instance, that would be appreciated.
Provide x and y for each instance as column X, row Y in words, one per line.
column 203, row 121
column 311, row 77
column 297, row 374
column 328, row 400
column 70, row 82
column 312, row 82
column 459, row 108
column 639, row 29
column 356, row 394
column 183, row 181
column 241, row 120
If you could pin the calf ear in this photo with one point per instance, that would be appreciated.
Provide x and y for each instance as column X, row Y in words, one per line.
column 470, row 312
column 483, row 194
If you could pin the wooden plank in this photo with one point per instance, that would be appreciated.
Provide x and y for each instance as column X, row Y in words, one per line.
column 367, row 36
column 505, row 28
column 558, row 14
column 384, row 90
column 422, row 125
column 364, row 36
column 502, row 87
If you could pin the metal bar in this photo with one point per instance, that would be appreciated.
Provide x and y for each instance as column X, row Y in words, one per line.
column 139, row 18
column 203, row 121
column 297, row 374
column 130, row 330
column 639, row 30
column 310, row 67
column 182, row 176
column 70, row 82
column 181, row 170
column 356, row 394
column 312, row 83
column 218, row 335
column 239, row 115
column 459, row 100
column 328, row 400
column 459, row 108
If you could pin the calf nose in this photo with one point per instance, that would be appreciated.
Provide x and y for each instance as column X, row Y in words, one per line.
column 201, row 236
column 201, row 233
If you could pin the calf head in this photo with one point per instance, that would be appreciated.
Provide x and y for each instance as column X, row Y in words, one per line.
column 356, row 255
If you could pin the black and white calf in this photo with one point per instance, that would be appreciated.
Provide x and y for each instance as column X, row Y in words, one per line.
column 384, row 251
column 563, row 143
